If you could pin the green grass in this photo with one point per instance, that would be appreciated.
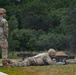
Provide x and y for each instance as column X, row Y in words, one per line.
column 42, row 70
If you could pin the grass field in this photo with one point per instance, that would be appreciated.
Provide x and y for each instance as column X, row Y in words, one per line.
column 42, row 70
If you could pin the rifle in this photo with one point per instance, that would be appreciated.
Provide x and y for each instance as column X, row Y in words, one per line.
column 63, row 58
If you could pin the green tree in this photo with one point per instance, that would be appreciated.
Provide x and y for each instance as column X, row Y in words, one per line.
column 13, row 23
column 25, row 36
column 14, row 43
column 68, row 24
column 4, row 3
column 32, row 44
column 35, row 16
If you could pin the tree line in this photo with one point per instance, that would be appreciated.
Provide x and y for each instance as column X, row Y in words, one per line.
column 38, row 25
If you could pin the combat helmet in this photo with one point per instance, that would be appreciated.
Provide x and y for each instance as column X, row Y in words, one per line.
column 2, row 10
column 51, row 52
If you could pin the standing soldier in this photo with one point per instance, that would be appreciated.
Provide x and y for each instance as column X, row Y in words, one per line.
column 3, row 36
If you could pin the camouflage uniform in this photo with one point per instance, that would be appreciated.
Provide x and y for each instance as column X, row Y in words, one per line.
column 40, row 59
column 3, row 35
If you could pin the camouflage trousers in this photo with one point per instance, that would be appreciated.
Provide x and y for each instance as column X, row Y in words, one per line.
column 4, row 48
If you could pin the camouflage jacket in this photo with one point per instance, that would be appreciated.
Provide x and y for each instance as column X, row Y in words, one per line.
column 40, row 59
column 3, row 28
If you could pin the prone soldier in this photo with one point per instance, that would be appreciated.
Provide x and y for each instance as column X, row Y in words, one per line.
column 3, row 36
column 40, row 59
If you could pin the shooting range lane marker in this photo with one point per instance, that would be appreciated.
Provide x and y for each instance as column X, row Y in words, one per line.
column 1, row 73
